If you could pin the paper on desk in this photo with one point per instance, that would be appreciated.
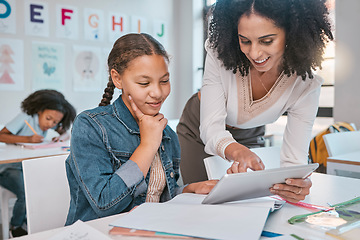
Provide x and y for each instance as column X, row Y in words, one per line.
column 80, row 231
column 45, row 144
column 198, row 220
column 191, row 198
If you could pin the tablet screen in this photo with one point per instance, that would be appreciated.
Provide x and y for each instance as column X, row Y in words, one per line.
column 240, row 186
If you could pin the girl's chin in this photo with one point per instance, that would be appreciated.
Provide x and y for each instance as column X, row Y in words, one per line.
column 152, row 113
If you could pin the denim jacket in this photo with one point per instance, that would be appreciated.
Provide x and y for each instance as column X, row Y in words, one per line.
column 103, row 180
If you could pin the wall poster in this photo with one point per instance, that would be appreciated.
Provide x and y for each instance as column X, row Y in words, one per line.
column 11, row 65
column 48, row 70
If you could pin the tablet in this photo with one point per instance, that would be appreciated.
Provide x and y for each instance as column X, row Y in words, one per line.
column 240, row 186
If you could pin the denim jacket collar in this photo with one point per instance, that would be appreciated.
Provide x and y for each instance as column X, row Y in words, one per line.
column 124, row 115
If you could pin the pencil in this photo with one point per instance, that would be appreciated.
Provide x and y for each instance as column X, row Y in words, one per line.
column 30, row 127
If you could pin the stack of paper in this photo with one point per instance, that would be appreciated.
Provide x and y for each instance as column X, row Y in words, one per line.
column 184, row 215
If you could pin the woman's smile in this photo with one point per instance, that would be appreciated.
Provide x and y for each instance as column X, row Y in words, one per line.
column 262, row 62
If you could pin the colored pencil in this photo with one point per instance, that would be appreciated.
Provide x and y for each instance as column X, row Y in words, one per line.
column 32, row 129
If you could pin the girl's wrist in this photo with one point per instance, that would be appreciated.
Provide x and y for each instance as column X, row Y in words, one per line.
column 190, row 188
column 149, row 146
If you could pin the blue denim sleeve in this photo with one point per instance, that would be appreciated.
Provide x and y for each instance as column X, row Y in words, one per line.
column 107, row 191
column 132, row 175
column 179, row 190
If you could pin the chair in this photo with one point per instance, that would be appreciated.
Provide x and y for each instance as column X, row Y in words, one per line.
column 5, row 195
column 47, row 193
column 340, row 143
column 173, row 123
column 216, row 166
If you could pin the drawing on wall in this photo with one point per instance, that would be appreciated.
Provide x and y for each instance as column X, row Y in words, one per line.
column 48, row 69
column 139, row 24
column 118, row 24
column 7, row 17
column 36, row 19
column 93, row 24
column 87, row 69
column 160, row 32
column 67, row 22
column 6, row 61
column 11, row 65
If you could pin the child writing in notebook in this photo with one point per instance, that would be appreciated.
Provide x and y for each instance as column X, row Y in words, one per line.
column 41, row 111
column 124, row 154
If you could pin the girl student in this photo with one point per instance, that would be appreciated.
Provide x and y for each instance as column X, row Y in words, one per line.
column 42, row 110
column 124, row 154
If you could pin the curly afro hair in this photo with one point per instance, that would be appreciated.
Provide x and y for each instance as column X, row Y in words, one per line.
column 306, row 24
column 52, row 100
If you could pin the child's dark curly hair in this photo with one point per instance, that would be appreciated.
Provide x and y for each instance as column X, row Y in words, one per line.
column 305, row 22
column 52, row 100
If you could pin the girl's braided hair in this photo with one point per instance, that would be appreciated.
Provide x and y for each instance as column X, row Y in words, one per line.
column 126, row 49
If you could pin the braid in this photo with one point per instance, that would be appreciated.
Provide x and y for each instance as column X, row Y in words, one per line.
column 108, row 93
column 126, row 49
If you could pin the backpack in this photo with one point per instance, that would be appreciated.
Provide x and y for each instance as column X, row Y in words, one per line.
column 317, row 149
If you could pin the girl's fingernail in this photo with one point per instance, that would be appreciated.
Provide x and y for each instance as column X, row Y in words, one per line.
column 276, row 187
column 130, row 97
column 288, row 181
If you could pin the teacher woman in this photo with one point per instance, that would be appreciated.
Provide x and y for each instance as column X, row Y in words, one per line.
column 260, row 60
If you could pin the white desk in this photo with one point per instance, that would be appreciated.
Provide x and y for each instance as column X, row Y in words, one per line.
column 347, row 162
column 11, row 153
column 326, row 189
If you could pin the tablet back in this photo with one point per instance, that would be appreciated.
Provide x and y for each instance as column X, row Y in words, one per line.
column 240, row 186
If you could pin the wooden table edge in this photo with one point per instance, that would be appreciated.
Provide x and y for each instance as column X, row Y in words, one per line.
column 343, row 161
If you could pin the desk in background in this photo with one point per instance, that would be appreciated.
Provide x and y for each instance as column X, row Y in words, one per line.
column 10, row 153
column 348, row 163
column 326, row 189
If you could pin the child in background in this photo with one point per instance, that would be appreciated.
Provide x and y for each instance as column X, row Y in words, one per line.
column 124, row 154
column 42, row 110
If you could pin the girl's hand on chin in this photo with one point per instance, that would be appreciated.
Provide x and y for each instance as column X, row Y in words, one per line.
column 151, row 127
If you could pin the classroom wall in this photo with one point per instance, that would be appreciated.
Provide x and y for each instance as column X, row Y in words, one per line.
column 189, row 42
column 183, row 45
column 347, row 78
column 178, row 16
